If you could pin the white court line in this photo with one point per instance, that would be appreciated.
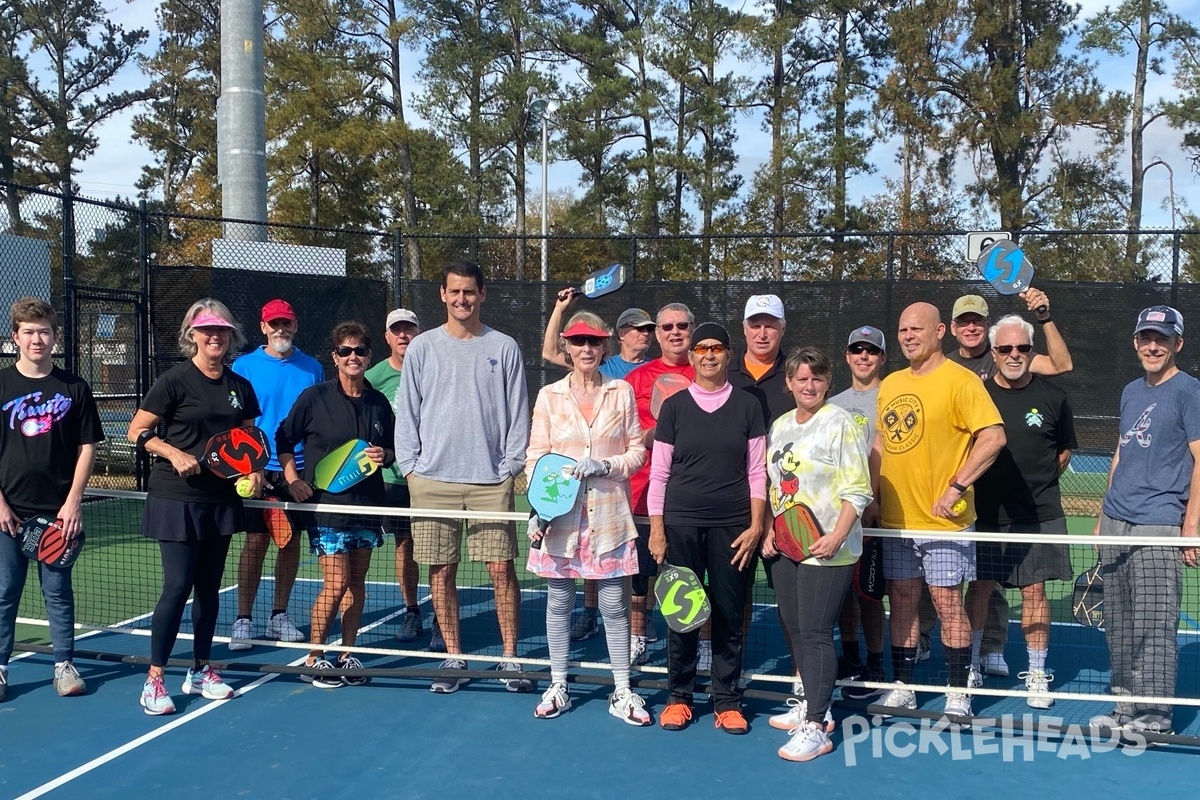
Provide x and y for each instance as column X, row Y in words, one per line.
column 130, row 746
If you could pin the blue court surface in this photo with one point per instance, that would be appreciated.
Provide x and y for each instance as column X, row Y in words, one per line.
column 393, row 738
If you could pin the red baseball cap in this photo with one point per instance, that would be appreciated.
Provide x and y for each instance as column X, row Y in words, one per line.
column 278, row 309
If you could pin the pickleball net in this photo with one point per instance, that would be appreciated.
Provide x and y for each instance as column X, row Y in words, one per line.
column 117, row 581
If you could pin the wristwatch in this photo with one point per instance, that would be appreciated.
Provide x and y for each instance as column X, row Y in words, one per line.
column 961, row 489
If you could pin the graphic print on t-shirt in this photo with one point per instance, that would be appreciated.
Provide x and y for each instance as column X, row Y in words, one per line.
column 1034, row 418
column 33, row 417
column 903, row 423
column 784, row 493
column 1139, row 429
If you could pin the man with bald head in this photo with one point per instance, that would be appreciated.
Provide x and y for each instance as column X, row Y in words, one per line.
column 937, row 432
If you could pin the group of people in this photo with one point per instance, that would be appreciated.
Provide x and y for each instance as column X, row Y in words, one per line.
column 711, row 444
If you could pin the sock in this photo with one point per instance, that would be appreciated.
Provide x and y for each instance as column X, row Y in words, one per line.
column 976, row 646
column 875, row 662
column 850, row 651
column 243, row 616
column 958, row 659
column 903, row 659
column 275, row 612
column 1037, row 658
column 413, row 609
column 196, row 665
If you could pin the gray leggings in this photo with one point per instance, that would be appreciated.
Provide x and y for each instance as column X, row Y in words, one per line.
column 614, row 608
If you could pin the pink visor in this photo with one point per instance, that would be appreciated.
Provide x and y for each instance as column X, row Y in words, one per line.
column 583, row 329
column 207, row 319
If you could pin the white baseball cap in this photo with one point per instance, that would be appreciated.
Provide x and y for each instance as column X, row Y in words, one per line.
column 764, row 304
column 402, row 315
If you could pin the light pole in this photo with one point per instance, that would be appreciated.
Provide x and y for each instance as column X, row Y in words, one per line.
column 544, row 108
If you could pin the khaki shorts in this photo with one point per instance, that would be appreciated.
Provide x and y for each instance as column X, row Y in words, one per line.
column 439, row 541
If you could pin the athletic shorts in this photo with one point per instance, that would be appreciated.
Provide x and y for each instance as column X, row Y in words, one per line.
column 253, row 518
column 396, row 496
column 439, row 541
column 1020, row 564
column 324, row 541
column 941, row 562
column 165, row 519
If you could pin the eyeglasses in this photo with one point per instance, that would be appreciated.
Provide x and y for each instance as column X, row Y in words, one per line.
column 1005, row 349
column 590, row 341
column 358, row 350
column 715, row 349
column 213, row 331
column 670, row 326
column 859, row 349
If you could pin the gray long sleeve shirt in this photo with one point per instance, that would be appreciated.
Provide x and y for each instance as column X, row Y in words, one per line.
column 462, row 411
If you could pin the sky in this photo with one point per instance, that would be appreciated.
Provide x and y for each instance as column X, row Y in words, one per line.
column 115, row 167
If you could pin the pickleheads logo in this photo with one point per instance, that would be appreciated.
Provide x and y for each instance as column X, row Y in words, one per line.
column 33, row 417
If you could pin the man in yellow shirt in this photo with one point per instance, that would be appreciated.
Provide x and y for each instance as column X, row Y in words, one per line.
column 937, row 432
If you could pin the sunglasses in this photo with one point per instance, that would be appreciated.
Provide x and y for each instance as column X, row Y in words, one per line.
column 670, row 326
column 1005, row 349
column 859, row 349
column 715, row 349
column 590, row 341
column 345, row 350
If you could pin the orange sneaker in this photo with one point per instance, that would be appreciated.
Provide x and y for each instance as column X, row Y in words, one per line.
column 676, row 716
column 732, row 721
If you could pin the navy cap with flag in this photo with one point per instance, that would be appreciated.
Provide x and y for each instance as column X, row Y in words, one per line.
column 1163, row 319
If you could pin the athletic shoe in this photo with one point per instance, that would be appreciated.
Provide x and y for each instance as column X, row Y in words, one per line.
column 67, row 681
column 514, row 684
column 798, row 687
column 411, row 626
column 322, row 681
column 806, row 743
column 732, row 721
column 555, row 701
column 1112, row 721
column 207, row 682
column 3, row 683
column 923, row 648
column 586, row 626
column 974, row 677
column 281, row 629
column 448, row 684
column 848, row 670
column 242, row 629
column 900, row 697
column 957, row 705
column 437, row 644
column 994, row 664
column 675, row 717
column 628, row 707
column 860, row 693
column 350, row 662
column 704, row 656
column 651, row 629
column 1037, row 683
column 797, row 715
column 155, row 700
column 1140, row 726
column 637, row 650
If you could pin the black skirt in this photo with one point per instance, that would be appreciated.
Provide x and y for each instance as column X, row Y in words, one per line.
column 168, row 520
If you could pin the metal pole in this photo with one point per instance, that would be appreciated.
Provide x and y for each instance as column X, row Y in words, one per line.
column 70, row 332
column 545, row 205
column 242, row 121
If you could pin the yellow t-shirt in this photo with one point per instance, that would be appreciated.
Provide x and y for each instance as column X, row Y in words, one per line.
column 926, row 424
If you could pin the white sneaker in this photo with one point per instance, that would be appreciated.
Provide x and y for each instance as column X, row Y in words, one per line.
column 155, row 699
column 704, row 656
column 957, row 705
column 797, row 715
column 555, row 701
column 281, row 629
column 994, row 664
column 637, row 650
column 806, row 743
column 447, row 684
column 900, row 697
column 974, row 677
column 629, row 708
column 1037, row 683
column 207, row 683
column 798, row 687
column 517, row 684
column 242, row 629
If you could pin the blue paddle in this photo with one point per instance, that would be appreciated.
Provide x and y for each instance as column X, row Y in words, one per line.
column 553, row 489
column 1006, row 268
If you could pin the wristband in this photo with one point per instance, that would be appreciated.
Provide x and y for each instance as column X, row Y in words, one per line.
column 958, row 486
column 144, row 437
column 1044, row 321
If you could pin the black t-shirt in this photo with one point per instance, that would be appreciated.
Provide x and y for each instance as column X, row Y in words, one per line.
column 195, row 408
column 1022, row 485
column 708, row 483
column 45, row 422
column 982, row 365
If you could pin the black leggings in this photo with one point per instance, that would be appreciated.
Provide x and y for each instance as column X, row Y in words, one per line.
column 186, row 566
column 809, row 599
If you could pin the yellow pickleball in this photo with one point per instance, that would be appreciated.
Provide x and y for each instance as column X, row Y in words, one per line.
column 244, row 488
column 959, row 507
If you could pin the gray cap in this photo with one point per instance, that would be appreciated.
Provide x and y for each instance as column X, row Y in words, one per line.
column 868, row 335
column 402, row 315
column 634, row 318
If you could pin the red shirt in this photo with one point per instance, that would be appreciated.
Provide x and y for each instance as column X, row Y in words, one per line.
column 642, row 380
